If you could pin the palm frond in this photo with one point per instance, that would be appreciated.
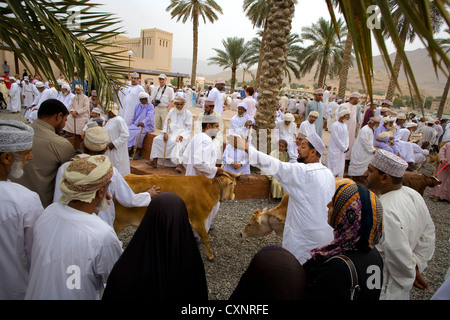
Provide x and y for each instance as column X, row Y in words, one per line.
column 39, row 33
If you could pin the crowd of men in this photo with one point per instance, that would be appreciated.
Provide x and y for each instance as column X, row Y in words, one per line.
column 75, row 150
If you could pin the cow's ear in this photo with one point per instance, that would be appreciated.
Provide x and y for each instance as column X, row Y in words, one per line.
column 258, row 219
column 256, row 213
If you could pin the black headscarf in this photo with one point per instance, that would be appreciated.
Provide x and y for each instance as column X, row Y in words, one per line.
column 273, row 274
column 162, row 261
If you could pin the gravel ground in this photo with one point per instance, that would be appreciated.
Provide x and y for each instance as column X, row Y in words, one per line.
column 234, row 254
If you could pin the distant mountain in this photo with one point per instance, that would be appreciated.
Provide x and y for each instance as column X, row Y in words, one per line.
column 420, row 62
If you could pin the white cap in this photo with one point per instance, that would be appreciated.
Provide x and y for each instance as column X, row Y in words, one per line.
column 317, row 143
column 289, row 117
column 143, row 95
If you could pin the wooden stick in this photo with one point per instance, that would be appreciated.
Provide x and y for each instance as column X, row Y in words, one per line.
column 135, row 147
column 165, row 146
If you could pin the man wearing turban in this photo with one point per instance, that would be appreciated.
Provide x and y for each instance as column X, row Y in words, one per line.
column 74, row 250
column 20, row 208
column 79, row 115
column 317, row 105
column 174, row 136
column 143, row 122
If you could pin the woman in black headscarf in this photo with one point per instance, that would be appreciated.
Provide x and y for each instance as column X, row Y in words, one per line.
column 273, row 274
column 162, row 261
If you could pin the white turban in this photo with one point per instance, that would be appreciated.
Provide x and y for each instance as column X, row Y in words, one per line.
column 289, row 117
column 15, row 136
column 83, row 178
column 97, row 110
column 355, row 95
column 314, row 114
column 96, row 139
column 39, row 84
column 343, row 112
column 242, row 105
column 65, row 86
column 143, row 95
column 113, row 107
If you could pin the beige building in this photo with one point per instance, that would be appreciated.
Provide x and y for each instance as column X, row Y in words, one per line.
column 154, row 47
column 152, row 55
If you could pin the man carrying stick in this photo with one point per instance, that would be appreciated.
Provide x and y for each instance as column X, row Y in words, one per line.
column 143, row 122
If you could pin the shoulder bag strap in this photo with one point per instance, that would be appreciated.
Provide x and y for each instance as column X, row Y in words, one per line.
column 355, row 288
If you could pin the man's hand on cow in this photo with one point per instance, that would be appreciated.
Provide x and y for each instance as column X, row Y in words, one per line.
column 153, row 191
column 219, row 172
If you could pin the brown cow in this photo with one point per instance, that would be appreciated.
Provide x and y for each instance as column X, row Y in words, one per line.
column 419, row 182
column 199, row 193
column 263, row 223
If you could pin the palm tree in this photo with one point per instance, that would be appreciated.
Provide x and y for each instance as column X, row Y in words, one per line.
column 407, row 33
column 274, row 49
column 232, row 57
column 42, row 34
column 193, row 9
column 357, row 15
column 257, row 11
column 326, row 51
column 293, row 54
column 445, row 43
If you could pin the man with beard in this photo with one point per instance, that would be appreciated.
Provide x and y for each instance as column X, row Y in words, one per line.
column 200, row 157
column 174, row 136
column 317, row 105
column 66, row 96
column 311, row 187
column 287, row 130
column 143, row 122
column 50, row 151
column 74, row 250
column 384, row 136
column 79, row 115
column 242, row 122
column 209, row 110
column 20, row 210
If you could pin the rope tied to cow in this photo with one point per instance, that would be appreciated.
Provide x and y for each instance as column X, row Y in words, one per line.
column 220, row 188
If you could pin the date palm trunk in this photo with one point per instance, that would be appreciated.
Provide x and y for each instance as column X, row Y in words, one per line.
column 440, row 111
column 194, row 50
column 278, row 30
column 397, row 64
column 343, row 75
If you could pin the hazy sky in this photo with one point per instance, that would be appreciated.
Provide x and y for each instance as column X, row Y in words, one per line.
column 141, row 14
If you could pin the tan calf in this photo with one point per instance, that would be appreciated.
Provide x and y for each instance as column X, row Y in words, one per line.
column 199, row 193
